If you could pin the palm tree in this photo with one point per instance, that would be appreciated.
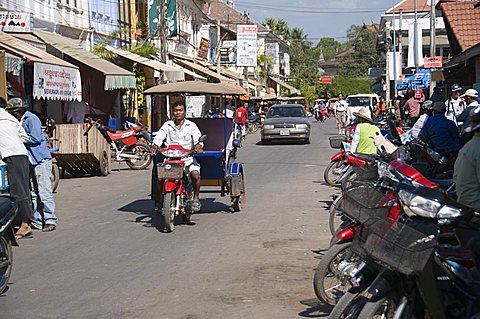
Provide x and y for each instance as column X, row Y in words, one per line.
column 297, row 34
column 279, row 27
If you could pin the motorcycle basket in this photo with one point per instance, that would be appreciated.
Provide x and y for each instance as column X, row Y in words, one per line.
column 361, row 201
column 336, row 141
column 394, row 245
column 169, row 171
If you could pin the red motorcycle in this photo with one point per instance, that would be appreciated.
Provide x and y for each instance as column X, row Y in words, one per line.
column 323, row 114
column 126, row 145
column 177, row 190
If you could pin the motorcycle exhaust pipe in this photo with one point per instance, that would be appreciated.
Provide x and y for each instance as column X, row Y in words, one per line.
column 401, row 308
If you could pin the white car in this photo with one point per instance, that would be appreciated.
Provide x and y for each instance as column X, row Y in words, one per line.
column 355, row 102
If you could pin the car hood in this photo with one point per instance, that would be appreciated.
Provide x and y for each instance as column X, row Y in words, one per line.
column 286, row 120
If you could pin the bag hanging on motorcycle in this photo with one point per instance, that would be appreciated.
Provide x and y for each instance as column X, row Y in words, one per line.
column 169, row 171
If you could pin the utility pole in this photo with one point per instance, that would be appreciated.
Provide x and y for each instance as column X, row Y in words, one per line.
column 218, row 46
column 400, row 37
column 415, row 36
column 163, row 35
column 394, row 52
column 433, row 49
column 3, row 80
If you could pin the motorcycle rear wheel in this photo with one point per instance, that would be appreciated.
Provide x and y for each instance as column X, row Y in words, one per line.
column 142, row 150
column 6, row 259
column 334, row 218
column 382, row 308
column 169, row 211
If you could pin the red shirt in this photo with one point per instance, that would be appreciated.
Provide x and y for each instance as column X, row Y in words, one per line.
column 241, row 115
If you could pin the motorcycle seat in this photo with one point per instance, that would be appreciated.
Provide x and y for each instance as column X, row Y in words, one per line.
column 365, row 157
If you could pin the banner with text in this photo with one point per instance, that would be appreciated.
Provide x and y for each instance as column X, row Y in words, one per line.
column 247, row 45
column 54, row 82
column 16, row 21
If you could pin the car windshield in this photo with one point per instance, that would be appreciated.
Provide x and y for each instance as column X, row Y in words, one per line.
column 280, row 111
column 359, row 101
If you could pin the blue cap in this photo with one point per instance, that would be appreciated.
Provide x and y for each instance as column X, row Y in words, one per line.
column 455, row 88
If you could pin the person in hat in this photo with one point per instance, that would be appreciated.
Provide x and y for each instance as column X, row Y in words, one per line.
column 471, row 97
column 15, row 155
column 44, row 217
column 437, row 95
column 439, row 132
column 412, row 106
column 340, row 110
column 455, row 104
column 467, row 167
column 365, row 133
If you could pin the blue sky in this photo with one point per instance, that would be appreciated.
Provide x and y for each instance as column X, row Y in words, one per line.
column 308, row 14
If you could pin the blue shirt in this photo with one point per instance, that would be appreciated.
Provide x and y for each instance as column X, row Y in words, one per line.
column 441, row 133
column 37, row 142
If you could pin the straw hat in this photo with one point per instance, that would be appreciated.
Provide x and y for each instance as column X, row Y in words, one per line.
column 363, row 113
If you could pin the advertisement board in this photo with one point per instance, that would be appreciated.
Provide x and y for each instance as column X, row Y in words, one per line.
column 54, row 82
column 203, row 49
column 432, row 62
column 195, row 105
column 228, row 53
column 11, row 21
column 247, row 45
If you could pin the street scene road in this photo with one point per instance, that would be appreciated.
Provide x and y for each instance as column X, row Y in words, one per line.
column 110, row 257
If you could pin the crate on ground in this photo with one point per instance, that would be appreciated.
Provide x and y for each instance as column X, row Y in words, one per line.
column 395, row 245
column 336, row 141
column 361, row 201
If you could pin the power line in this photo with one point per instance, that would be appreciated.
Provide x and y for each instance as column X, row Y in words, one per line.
column 310, row 11
column 289, row 6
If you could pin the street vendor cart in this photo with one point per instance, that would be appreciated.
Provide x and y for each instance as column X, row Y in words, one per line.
column 220, row 172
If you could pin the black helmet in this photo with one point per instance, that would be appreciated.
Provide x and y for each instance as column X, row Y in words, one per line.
column 427, row 105
column 15, row 104
column 474, row 116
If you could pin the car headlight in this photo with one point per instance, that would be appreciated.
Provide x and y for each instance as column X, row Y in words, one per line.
column 301, row 126
column 269, row 127
column 418, row 205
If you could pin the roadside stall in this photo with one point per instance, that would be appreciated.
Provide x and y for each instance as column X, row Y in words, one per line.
column 220, row 171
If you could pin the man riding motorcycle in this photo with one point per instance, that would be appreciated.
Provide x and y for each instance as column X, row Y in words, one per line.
column 180, row 131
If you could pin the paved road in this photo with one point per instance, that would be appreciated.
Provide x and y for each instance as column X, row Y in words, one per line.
column 110, row 258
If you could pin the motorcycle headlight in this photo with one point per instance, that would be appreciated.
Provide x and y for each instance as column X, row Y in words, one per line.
column 418, row 205
column 449, row 212
column 174, row 153
column 268, row 127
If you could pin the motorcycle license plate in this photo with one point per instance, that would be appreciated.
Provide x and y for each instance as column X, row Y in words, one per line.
column 284, row 133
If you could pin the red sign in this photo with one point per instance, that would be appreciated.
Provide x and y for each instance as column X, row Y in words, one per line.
column 418, row 94
column 326, row 80
column 432, row 62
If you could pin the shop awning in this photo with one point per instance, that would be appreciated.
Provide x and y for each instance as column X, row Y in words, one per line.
column 255, row 83
column 285, row 85
column 115, row 76
column 202, row 70
column 419, row 80
column 53, row 78
column 172, row 73
column 29, row 53
column 196, row 76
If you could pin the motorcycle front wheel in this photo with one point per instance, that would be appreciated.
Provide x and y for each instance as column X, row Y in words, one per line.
column 330, row 175
column 5, row 263
column 169, row 211
column 144, row 158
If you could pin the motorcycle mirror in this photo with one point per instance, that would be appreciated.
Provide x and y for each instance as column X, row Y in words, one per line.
column 203, row 138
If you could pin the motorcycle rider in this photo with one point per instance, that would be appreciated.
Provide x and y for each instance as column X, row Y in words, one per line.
column 365, row 133
column 180, row 131
column 470, row 96
column 467, row 166
column 455, row 104
column 241, row 118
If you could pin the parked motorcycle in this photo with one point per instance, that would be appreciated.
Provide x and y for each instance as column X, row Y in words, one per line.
column 177, row 190
column 8, row 210
column 48, row 132
column 126, row 146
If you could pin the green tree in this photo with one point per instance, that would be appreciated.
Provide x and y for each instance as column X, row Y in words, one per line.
column 265, row 64
column 279, row 27
column 329, row 47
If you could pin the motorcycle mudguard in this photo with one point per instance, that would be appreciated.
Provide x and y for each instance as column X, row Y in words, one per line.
column 381, row 285
column 336, row 157
column 170, row 186
column 131, row 140
column 347, row 173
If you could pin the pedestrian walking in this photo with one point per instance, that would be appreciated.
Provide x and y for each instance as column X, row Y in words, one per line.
column 340, row 110
column 455, row 105
column 44, row 217
column 412, row 106
column 471, row 97
column 15, row 155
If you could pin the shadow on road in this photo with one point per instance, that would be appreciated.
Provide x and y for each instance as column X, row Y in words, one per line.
column 316, row 309
column 144, row 208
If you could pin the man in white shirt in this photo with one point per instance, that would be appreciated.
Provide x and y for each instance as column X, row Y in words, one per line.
column 15, row 155
column 180, row 131
column 455, row 104
column 340, row 110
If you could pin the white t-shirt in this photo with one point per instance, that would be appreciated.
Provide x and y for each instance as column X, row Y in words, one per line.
column 341, row 105
column 454, row 108
column 183, row 136
column 12, row 136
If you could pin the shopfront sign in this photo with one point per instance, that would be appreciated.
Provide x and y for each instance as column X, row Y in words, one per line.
column 228, row 52
column 55, row 82
column 247, row 45
column 16, row 21
column 432, row 62
column 326, row 80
